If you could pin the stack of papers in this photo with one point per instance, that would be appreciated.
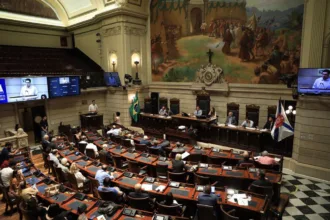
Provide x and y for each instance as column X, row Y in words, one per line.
column 263, row 130
column 185, row 154
column 277, row 159
column 160, row 188
column 241, row 199
column 233, row 126
column 250, row 128
column 146, row 187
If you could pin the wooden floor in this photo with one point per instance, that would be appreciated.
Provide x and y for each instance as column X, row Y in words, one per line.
column 39, row 163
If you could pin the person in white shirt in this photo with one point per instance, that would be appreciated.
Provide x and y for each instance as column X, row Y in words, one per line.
column 28, row 90
column 6, row 176
column 53, row 156
column 79, row 177
column 198, row 111
column 247, row 123
column 93, row 107
column 114, row 131
column 162, row 111
column 83, row 140
column 322, row 82
column 64, row 165
column 93, row 147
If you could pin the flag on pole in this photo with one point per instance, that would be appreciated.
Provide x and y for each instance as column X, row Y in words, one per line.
column 134, row 109
column 282, row 128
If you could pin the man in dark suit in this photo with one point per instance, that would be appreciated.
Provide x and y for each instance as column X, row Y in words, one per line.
column 45, row 142
column 137, row 193
column 106, row 154
column 178, row 165
column 246, row 159
column 207, row 198
column 269, row 124
column 231, row 119
column 262, row 181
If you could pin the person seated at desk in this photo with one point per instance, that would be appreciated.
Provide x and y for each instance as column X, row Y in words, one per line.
column 178, row 165
column 231, row 119
column 64, row 165
column 54, row 212
column 169, row 201
column 107, row 187
column 83, row 140
column 15, row 183
column 137, row 193
column 78, row 134
column 207, row 198
column 246, row 159
column 265, row 159
column 247, row 123
column 102, row 174
column 145, row 140
column 27, row 192
column 114, row 131
column 106, row 153
column 198, row 111
column 6, row 152
column 212, row 112
column 52, row 155
column 93, row 107
column 31, row 204
column 163, row 111
column 93, row 147
column 81, row 179
column 269, row 124
column 262, row 181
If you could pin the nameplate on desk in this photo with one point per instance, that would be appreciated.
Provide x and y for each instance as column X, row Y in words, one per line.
column 129, row 212
column 162, row 159
column 160, row 217
column 144, row 155
column 215, row 150
column 200, row 188
column 150, row 179
column 253, row 170
column 237, row 152
column 175, row 184
column 227, row 167
column 197, row 147
column 128, row 174
column 203, row 165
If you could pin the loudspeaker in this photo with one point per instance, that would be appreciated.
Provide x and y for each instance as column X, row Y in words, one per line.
column 154, row 102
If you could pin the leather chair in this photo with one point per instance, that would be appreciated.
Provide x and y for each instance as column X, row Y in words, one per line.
column 205, row 212
column 46, row 164
column 27, row 214
column 117, row 139
column 203, row 180
column 173, row 210
column 161, row 170
column 126, row 143
column 215, row 160
column 73, row 181
column 262, row 190
column 228, row 215
column 140, row 203
column 110, row 196
column 103, row 159
column 195, row 158
column 10, row 201
column 91, row 153
column 134, row 167
column 178, row 177
column 153, row 151
column 96, row 193
column 82, row 147
column 141, row 147
column 60, row 176
column 118, row 162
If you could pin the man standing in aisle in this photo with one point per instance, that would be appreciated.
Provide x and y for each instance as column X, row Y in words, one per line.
column 93, row 108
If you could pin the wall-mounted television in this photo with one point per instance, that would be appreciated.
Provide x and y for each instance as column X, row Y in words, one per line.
column 25, row 89
column 112, row 79
column 63, row 86
column 314, row 81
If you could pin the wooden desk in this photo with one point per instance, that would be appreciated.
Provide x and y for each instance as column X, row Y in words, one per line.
column 73, row 204
column 185, row 192
column 93, row 214
column 128, row 183
column 140, row 215
column 91, row 121
column 155, row 184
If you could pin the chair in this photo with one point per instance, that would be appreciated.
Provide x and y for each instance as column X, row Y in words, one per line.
column 117, row 139
column 163, row 102
column 118, row 161
column 246, row 165
column 271, row 111
column 60, row 176
column 178, row 177
column 140, row 203
column 103, row 158
column 173, row 210
column 82, row 147
column 109, row 196
column 96, row 193
column 126, row 143
column 202, row 180
column 205, row 212
column 91, row 153
column 93, row 184
column 10, row 201
column 262, row 190
column 46, row 164
column 147, row 105
column 161, row 170
column 134, row 167
column 141, row 147
column 175, row 106
column 195, row 158
column 252, row 113
column 27, row 214
column 215, row 160
column 153, row 151
column 203, row 101
column 228, row 215
column 73, row 181
column 234, row 108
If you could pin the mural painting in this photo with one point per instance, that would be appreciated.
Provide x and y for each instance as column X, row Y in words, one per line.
column 253, row 41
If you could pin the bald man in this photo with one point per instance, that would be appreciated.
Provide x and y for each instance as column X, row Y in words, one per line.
column 137, row 193
column 45, row 142
column 246, row 159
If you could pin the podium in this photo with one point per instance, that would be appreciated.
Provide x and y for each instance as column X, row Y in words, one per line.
column 91, row 121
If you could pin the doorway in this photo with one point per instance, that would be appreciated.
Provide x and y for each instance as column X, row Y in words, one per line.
column 196, row 20
column 29, row 119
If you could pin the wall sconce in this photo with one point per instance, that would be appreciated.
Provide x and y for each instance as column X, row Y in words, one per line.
column 113, row 65
column 113, row 61
column 137, row 81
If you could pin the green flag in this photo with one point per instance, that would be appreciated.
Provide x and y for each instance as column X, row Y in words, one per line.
column 134, row 110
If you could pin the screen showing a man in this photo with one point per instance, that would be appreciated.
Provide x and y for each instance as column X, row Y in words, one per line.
column 322, row 82
column 25, row 89
column 313, row 81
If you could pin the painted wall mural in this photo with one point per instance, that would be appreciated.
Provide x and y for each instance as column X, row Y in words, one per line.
column 253, row 41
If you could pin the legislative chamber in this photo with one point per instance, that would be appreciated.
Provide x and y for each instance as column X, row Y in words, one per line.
column 164, row 110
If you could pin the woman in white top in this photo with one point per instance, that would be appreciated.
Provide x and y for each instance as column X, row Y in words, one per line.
column 117, row 118
column 79, row 177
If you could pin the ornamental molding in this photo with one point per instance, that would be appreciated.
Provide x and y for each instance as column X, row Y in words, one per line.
column 134, row 31
column 210, row 74
column 111, row 31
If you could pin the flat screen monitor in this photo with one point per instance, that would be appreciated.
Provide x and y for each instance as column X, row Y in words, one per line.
column 112, row 79
column 314, row 81
column 63, row 86
column 25, row 89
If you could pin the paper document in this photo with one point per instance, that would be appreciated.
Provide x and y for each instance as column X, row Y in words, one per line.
column 185, row 154
column 146, row 186
column 277, row 159
column 160, row 188
column 243, row 202
column 233, row 126
column 250, row 128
